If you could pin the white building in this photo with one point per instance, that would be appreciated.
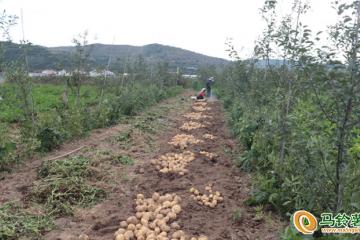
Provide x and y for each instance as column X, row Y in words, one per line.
column 64, row 73
column 50, row 72
column 94, row 73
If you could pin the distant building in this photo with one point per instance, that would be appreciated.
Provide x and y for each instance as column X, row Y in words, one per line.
column 64, row 73
column 94, row 73
column 190, row 76
column 50, row 72
column 37, row 74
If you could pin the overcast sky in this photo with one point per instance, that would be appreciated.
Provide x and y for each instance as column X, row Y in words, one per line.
column 201, row 26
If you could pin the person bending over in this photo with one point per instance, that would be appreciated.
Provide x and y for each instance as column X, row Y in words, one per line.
column 201, row 94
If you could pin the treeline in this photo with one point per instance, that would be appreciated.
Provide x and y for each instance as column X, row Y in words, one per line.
column 298, row 120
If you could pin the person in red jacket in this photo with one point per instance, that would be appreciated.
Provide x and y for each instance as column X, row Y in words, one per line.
column 201, row 94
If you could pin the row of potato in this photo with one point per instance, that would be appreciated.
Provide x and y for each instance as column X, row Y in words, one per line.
column 196, row 116
column 200, row 108
column 183, row 141
column 173, row 162
column 154, row 219
column 187, row 126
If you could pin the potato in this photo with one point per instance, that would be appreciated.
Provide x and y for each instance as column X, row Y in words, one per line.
column 200, row 203
column 138, row 215
column 157, row 230
column 132, row 220
column 217, row 193
column 153, row 215
column 128, row 235
column 181, row 173
column 178, row 234
column 165, row 211
column 176, row 209
column 161, row 223
column 151, row 236
column 161, row 199
column 158, row 167
column 131, row 227
column 144, row 229
column 155, row 196
column 169, row 197
column 202, row 237
column 121, row 230
column 173, row 203
column 198, row 198
column 152, row 207
column 163, row 234
column 207, row 204
column 166, row 204
column 220, row 199
column 196, row 192
column 212, row 205
column 138, row 226
column 193, row 238
column 120, row 237
column 140, row 196
column 152, row 226
column 141, row 238
column 207, row 188
column 166, row 219
column 123, row 224
column 159, row 209
column 149, row 201
column 83, row 237
column 192, row 197
column 215, row 197
column 146, row 225
column 175, row 225
column 210, row 191
column 144, row 221
column 171, row 215
column 211, row 196
column 214, row 202
column 141, row 208
column 139, row 233
column 159, row 216
column 165, row 228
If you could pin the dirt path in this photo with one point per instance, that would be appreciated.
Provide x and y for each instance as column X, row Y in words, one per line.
column 126, row 182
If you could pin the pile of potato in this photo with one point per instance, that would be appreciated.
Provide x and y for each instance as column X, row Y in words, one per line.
column 212, row 200
column 207, row 154
column 201, row 103
column 209, row 136
column 174, row 162
column 207, row 122
column 201, row 108
column 187, row 126
column 154, row 219
column 183, row 140
column 196, row 116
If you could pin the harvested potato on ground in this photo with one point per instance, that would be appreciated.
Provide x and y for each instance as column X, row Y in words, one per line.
column 175, row 225
column 84, row 237
column 176, row 209
column 183, row 141
column 123, row 224
column 209, row 136
column 202, row 237
column 200, row 108
column 178, row 234
column 176, row 163
column 196, row 116
column 120, row 237
column 188, row 126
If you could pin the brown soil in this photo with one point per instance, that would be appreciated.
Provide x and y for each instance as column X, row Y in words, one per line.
column 102, row 220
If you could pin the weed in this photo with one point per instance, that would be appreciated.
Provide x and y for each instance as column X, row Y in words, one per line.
column 237, row 214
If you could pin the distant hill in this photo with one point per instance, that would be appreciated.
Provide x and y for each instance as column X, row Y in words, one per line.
column 154, row 52
column 41, row 58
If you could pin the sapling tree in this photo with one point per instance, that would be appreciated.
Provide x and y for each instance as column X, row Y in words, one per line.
column 79, row 69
